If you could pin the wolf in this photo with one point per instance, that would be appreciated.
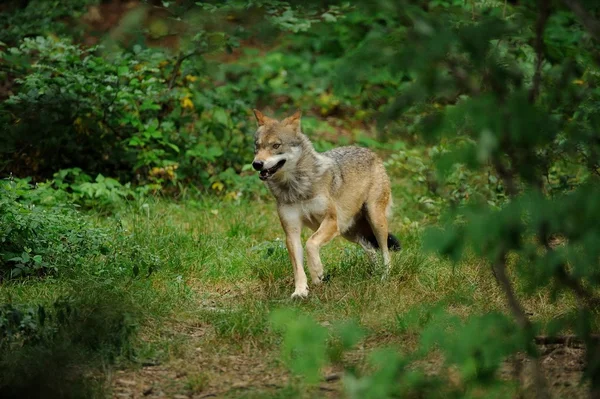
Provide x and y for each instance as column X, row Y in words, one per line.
column 344, row 191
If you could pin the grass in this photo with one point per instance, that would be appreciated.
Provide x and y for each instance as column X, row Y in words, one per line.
column 211, row 273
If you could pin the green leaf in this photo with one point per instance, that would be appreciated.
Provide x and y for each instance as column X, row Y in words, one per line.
column 304, row 343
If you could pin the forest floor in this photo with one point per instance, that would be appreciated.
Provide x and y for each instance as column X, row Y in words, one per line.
column 231, row 271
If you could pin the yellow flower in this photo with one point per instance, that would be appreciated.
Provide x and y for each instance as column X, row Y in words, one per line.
column 79, row 125
column 187, row 103
column 218, row 186
column 156, row 171
column 232, row 195
column 578, row 82
column 191, row 78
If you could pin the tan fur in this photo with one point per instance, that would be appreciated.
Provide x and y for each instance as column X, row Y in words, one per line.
column 345, row 191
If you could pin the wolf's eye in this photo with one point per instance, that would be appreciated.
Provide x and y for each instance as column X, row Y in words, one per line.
column 276, row 146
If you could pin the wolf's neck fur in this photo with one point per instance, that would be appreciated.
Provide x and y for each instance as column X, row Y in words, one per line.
column 297, row 184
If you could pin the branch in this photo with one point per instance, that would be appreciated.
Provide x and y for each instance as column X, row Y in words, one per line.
column 499, row 269
column 584, row 295
column 177, row 66
column 572, row 341
column 591, row 164
column 592, row 26
column 540, row 27
column 462, row 78
column 507, row 176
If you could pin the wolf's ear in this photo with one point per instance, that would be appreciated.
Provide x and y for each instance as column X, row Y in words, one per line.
column 293, row 121
column 261, row 118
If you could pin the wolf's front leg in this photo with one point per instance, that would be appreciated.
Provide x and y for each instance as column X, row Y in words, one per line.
column 327, row 231
column 292, row 225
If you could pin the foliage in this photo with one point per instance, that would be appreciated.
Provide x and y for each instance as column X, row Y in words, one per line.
column 41, row 236
column 40, row 17
column 303, row 346
column 68, row 338
column 142, row 115
column 36, row 240
column 504, row 93
column 515, row 103
column 118, row 117
column 392, row 372
column 101, row 192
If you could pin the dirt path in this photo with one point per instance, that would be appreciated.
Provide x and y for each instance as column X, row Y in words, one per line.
column 205, row 367
column 215, row 371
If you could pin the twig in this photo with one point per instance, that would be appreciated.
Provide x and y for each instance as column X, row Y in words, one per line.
column 540, row 27
column 566, row 340
column 516, row 309
column 592, row 26
column 462, row 78
column 103, row 119
column 507, row 177
column 177, row 66
column 592, row 166
column 584, row 295
column 523, row 322
column 326, row 388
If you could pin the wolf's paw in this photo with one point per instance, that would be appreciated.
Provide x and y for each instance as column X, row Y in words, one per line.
column 385, row 275
column 300, row 293
column 325, row 278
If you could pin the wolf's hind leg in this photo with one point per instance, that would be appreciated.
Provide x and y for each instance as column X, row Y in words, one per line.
column 369, row 250
column 327, row 231
column 376, row 212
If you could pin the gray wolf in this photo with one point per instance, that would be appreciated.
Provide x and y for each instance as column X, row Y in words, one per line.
column 345, row 191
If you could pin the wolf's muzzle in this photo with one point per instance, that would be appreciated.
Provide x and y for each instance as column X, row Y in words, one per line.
column 258, row 165
column 266, row 173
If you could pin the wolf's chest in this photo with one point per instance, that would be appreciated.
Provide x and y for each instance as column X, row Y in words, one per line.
column 314, row 209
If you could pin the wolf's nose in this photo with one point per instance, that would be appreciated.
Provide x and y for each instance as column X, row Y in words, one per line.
column 258, row 165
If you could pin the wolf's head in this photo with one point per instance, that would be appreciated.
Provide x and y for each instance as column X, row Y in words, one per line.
column 277, row 144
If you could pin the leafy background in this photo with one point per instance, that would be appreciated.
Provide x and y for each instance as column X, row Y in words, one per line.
column 127, row 201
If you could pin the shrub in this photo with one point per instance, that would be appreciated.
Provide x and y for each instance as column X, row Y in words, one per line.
column 37, row 240
column 51, row 351
column 41, row 235
column 40, row 17
column 117, row 115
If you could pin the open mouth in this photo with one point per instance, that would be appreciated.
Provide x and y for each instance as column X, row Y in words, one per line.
column 266, row 173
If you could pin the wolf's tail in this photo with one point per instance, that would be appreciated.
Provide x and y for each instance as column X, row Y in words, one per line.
column 393, row 242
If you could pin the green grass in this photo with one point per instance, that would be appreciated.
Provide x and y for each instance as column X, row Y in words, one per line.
column 210, row 274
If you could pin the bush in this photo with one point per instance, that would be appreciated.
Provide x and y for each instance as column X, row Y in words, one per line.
column 38, row 240
column 51, row 352
column 38, row 237
column 40, row 17
column 117, row 115
column 144, row 116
